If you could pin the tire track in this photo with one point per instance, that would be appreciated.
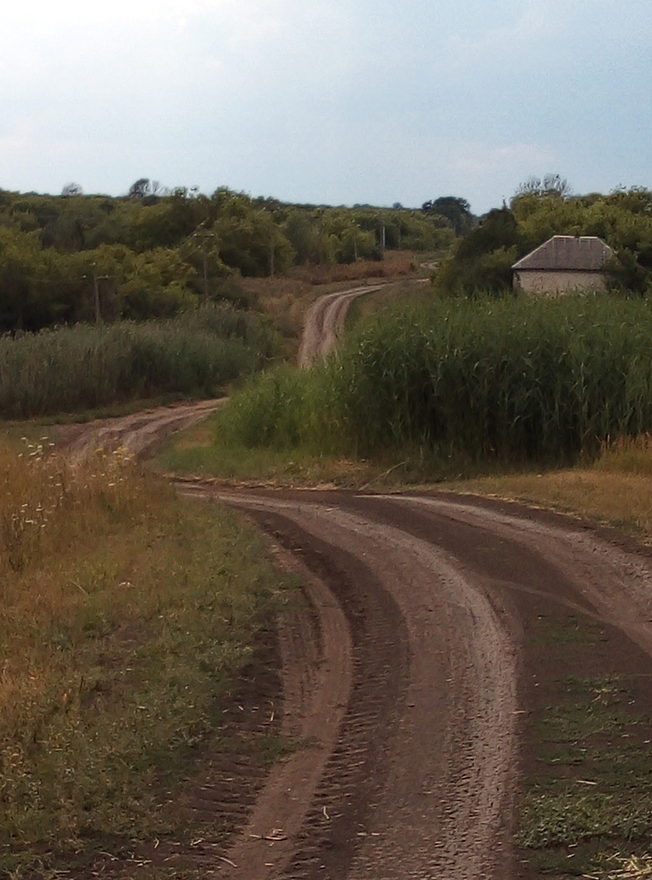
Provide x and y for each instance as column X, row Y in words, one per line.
column 438, row 797
column 137, row 433
column 614, row 584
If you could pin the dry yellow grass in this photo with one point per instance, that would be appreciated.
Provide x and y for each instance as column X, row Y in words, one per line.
column 616, row 489
column 125, row 614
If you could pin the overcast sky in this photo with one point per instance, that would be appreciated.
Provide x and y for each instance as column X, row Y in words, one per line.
column 327, row 101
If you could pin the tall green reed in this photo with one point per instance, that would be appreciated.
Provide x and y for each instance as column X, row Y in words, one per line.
column 518, row 379
column 81, row 367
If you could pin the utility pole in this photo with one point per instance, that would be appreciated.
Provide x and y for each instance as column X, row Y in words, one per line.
column 272, row 252
column 381, row 237
column 96, row 297
column 97, row 303
column 202, row 235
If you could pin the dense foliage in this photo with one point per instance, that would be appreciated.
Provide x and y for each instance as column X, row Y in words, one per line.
column 80, row 257
column 520, row 379
column 483, row 259
column 71, row 368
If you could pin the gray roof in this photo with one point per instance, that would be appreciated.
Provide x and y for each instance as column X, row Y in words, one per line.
column 584, row 253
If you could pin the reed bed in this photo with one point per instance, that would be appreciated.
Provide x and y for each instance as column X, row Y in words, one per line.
column 519, row 379
column 74, row 368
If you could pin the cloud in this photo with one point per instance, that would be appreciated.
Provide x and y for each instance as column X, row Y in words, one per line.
column 539, row 20
column 484, row 159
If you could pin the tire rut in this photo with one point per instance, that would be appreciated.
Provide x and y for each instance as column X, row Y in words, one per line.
column 138, row 433
column 427, row 791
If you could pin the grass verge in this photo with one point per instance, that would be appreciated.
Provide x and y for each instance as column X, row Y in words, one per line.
column 126, row 618
column 81, row 368
column 616, row 489
column 202, row 451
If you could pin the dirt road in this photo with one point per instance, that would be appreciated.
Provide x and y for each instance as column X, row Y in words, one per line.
column 410, row 669
column 423, row 610
column 137, row 433
column 324, row 322
column 412, row 664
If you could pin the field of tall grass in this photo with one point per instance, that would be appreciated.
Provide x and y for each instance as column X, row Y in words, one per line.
column 125, row 616
column 82, row 367
column 513, row 380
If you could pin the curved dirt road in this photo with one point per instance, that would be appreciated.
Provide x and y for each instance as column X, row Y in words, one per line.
column 427, row 606
column 137, row 433
column 412, row 663
column 324, row 322
column 410, row 669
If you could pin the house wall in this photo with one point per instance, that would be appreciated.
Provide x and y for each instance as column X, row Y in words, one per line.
column 544, row 281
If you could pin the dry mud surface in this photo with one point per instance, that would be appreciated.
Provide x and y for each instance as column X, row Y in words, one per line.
column 414, row 671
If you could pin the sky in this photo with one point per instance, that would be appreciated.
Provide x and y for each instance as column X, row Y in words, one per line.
column 326, row 101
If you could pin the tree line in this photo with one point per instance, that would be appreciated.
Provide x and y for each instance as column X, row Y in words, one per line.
column 482, row 259
column 157, row 252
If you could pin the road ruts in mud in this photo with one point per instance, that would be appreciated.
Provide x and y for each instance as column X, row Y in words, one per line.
column 424, row 784
column 344, row 795
column 421, row 781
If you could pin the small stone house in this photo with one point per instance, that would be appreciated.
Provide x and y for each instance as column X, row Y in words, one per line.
column 563, row 263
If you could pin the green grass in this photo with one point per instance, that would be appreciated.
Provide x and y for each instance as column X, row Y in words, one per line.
column 71, row 369
column 202, row 451
column 566, row 630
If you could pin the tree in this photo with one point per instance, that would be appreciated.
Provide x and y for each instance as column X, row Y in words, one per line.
column 159, row 285
column 483, row 259
column 456, row 210
column 551, row 185
column 72, row 189
column 145, row 188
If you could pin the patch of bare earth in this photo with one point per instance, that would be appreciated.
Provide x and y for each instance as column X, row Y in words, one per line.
column 138, row 433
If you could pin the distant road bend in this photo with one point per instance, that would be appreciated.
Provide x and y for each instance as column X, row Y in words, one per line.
column 325, row 320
